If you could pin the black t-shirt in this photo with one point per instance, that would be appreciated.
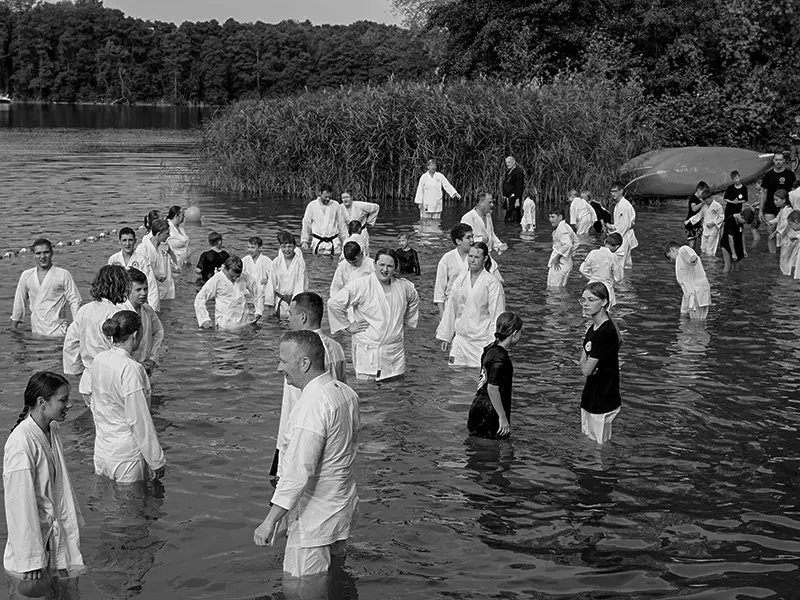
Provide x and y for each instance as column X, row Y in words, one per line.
column 209, row 262
column 408, row 261
column 601, row 392
column 733, row 228
column 738, row 195
column 773, row 182
column 496, row 365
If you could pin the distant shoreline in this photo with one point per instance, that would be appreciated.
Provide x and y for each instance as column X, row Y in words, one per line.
column 86, row 103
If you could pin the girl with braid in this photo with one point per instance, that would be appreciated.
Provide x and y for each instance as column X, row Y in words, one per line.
column 42, row 512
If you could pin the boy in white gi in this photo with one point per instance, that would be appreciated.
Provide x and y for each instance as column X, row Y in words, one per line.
column 691, row 277
column 565, row 241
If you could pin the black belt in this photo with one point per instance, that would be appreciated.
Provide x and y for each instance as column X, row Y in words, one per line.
column 323, row 240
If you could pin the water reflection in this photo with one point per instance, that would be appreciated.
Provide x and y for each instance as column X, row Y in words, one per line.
column 85, row 116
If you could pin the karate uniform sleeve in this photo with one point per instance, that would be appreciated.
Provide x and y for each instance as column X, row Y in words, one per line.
column 157, row 332
column 22, row 516
column 138, row 418
column 302, row 458
column 20, row 297
column 573, row 213
column 372, row 209
column 258, row 295
column 269, row 288
column 338, row 305
column 587, row 267
column 301, row 283
column 71, row 353
column 305, row 235
column 441, row 281
column 447, row 186
column 420, row 190
column 446, row 330
column 337, row 283
column 73, row 295
column 206, row 293
column 622, row 221
column 497, row 300
column 412, row 307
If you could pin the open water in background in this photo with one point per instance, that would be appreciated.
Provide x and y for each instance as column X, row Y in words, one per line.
column 695, row 498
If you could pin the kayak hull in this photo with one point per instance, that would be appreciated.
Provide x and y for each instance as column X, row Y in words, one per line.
column 676, row 171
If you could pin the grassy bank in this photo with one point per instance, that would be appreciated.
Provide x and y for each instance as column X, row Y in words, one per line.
column 376, row 140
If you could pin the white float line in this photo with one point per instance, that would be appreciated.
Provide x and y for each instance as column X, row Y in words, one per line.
column 103, row 235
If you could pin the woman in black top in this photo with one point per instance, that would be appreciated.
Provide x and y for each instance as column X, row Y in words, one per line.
column 693, row 223
column 490, row 413
column 599, row 362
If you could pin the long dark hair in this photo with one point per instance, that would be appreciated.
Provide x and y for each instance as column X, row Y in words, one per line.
column 122, row 325
column 507, row 323
column 598, row 289
column 487, row 264
column 42, row 384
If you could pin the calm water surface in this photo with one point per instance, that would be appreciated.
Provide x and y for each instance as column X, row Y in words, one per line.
column 697, row 496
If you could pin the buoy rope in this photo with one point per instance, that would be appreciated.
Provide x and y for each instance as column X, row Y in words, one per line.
column 103, row 235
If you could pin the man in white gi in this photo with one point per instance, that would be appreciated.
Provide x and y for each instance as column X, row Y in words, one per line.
column 354, row 265
column 430, row 192
column 480, row 219
column 305, row 314
column 47, row 289
column 382, row 306
column 324, row 227
column 624, row 220
column 316, row 495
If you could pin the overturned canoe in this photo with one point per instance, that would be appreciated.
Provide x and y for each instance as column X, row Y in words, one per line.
column 676, row 171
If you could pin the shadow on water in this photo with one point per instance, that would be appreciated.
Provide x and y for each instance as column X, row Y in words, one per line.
column 696, row 497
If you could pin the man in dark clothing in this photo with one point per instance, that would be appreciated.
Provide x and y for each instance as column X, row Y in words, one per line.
column 513, row 190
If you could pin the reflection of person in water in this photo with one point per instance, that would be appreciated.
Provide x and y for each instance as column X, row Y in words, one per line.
column 487, row 464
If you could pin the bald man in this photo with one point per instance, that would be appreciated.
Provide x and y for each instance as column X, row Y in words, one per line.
column 316, row 495
column 513, row 190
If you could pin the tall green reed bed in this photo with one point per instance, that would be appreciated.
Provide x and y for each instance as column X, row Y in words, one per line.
column 375, row 140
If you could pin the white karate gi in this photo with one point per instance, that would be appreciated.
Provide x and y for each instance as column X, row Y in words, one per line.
column 582, row 215
column 258, row 270
column 285, row 278
column 713, row 218
column 483, row 230
column 133, row 261
column 430, row 193
column 47, row 300
column 41, row 506
column 161, row 265
column 125, row 443
column 624, row 220
column 318, row 486
column 345, row 273
column 782, row 240
column 794, row 259
column 564, row 243
column 794, row 199
column 450, row 266
column 230, row 301
column 179, row 242
column 377, row 352
column 85, row 340
column 602, row 265
column 470, row 317
column 334, row 356
column 692, row 279
column 324, row 227
column 528, row 214
column 145, row 258
column 152, row 332
column 366, row 213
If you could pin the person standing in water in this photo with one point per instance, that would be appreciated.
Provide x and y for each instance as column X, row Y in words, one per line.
column 43, row 516
column 777, row 178
column 430, row 192
column 47, row 289
column 513, row 190
column 599, row 363
column 490, row 413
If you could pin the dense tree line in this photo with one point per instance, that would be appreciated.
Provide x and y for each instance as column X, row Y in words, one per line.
column 84, row 52
column 715, row 71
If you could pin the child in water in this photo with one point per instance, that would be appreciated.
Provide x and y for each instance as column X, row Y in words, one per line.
column 407, row 256
column 603, row 265
column 732, row 244
column 565, row 241
column 212, row 259
column 780, row 234
column 528, row 222
column 490, row 413
column 691, row 276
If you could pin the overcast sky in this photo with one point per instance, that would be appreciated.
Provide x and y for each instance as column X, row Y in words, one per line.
column 269, row 11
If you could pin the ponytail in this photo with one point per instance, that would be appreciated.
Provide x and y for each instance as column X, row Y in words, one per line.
column 487, row 263
column 42, row 384
column 507, row 323
column 122, row 325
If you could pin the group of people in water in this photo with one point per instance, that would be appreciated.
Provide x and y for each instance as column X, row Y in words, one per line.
column 113, row 344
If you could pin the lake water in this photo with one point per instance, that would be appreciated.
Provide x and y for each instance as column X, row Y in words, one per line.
column 696, row 497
